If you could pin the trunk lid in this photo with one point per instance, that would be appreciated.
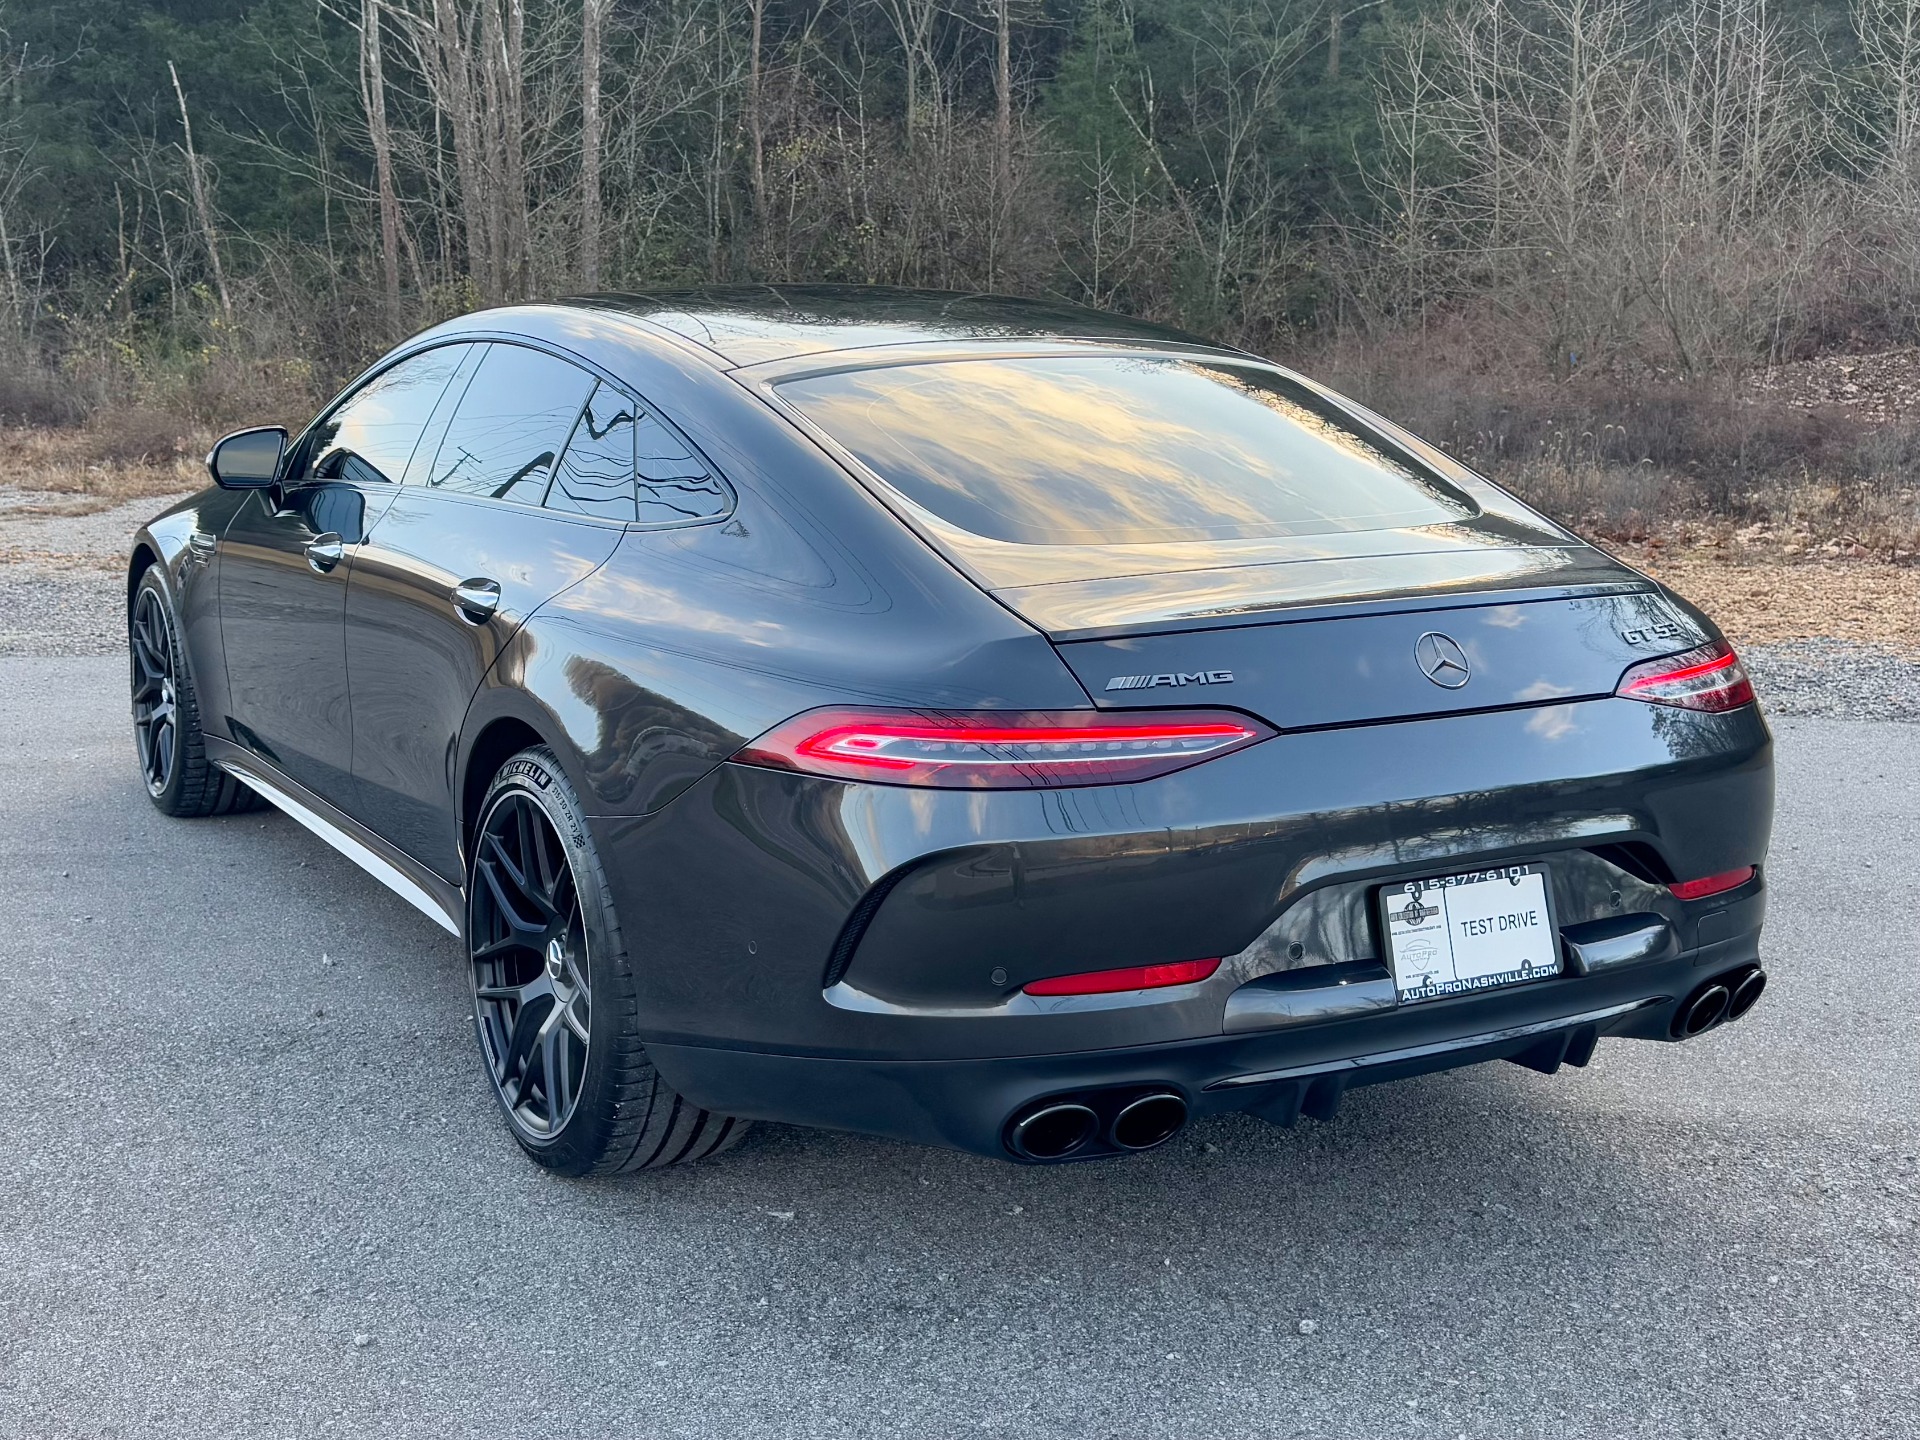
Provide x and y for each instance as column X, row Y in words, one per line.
column 1329, row 663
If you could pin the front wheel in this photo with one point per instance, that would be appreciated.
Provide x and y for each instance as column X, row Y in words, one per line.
column 166, row 714
column 553, row 995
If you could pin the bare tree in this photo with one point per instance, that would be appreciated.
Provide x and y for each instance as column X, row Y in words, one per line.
column 1611, row 179
column 202, row 202
column 1003, row 97
column 24, row 245
column 1885, row 126
column 913, row 24
column 592, row 25
column 756, row 109
column 1239, row 57
column 373, row 90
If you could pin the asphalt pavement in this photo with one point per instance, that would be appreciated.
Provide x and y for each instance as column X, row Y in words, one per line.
column 252, row 1183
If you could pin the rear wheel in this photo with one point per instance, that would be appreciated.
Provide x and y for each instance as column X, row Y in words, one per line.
column 166, row 714
column 553, row 994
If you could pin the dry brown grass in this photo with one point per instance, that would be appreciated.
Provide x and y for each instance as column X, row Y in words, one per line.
column 81, row 471
column 1757, row 597
column 1786, row 519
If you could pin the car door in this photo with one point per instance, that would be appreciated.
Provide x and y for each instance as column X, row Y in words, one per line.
column 284, row 563
column 465, row 553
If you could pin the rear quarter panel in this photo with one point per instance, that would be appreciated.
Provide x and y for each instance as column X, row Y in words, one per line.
column 692, row 640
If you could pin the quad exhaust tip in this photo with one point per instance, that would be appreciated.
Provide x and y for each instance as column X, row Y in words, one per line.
column 1053, row 1132
column 1062, row 1129
column 1149, row 1121
column 1727, row 997
column 1706, row 1009
column 1746, row 992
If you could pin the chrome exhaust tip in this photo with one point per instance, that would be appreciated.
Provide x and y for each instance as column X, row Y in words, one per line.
column 1149, row 1121
column 1745, row 993
column 1052, row 1131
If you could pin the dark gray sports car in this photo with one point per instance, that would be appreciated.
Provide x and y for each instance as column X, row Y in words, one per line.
column 955, row 718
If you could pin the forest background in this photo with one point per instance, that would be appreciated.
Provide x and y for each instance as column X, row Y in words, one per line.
column 1653, row 263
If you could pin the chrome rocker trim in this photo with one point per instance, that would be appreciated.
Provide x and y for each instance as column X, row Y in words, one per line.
column 444, row 911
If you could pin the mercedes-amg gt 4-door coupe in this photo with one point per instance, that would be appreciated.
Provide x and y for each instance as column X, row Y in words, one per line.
column 974, row 721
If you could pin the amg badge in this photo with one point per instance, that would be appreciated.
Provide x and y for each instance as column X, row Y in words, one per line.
column 1187, row 677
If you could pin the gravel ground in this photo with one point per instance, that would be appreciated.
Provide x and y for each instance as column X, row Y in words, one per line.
column 1836, row 678
column 62, row 586
column 48, row 610
column 253, row 1184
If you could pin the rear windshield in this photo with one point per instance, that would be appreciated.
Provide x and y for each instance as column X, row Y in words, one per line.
column 1116, row 450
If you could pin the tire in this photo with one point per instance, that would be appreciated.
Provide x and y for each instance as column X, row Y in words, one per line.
column 555, row 1006
column 167, row 738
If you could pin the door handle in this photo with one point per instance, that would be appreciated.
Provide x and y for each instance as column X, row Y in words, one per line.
column 325, row 551
column 476, row 600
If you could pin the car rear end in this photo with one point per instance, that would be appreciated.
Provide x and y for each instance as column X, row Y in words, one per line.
column 1382, row 776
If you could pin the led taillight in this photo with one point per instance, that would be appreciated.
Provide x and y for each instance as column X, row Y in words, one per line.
column 1712, row 884
column 1130, row 977
column 1710, row 678
column 997, row 750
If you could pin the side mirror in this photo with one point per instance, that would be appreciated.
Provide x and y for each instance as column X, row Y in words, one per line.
column 247, row 459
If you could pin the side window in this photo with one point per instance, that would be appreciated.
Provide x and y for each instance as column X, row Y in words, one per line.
column 675, row 484
column 510, row 426
column 596, row 473
column 624, row 464
column 371, row 434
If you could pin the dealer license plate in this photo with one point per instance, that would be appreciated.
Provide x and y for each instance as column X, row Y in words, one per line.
column 1457, row 934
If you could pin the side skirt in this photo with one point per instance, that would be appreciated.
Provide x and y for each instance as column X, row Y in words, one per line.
column 433, row 897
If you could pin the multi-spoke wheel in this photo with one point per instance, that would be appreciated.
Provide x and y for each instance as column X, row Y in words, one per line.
column 156, row 726
column 553, row 995
column 532, row 989
column 166, row 716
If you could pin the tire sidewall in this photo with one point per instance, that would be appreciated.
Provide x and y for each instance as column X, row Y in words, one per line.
column 582, row 1140
column 184, row 712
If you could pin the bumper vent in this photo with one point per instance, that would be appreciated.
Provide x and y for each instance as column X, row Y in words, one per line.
column 852, row 932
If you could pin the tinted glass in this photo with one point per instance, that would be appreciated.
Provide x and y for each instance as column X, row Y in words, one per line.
column 370, row 437
column 625, row 464
column 675, row 484
column 596, row 473
column 510, row 426
column 1092, row 450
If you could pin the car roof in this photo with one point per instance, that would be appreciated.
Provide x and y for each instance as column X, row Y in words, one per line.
column 748, row 324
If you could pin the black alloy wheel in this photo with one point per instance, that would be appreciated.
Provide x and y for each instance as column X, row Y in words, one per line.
column 156, row 708
column 180, row 779
column 532, row 984
column 555, row 1005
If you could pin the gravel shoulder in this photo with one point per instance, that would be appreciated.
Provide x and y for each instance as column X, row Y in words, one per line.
column 62, row 572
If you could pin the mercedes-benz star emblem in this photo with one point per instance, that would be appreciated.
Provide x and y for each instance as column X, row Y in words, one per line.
column 1441, row 657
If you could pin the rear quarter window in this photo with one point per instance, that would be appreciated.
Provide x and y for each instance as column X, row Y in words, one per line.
column 623, row 463
column 1121, row 449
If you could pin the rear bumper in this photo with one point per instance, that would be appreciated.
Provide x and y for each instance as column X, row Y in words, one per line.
column 967, row 1104
column 853, row 956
